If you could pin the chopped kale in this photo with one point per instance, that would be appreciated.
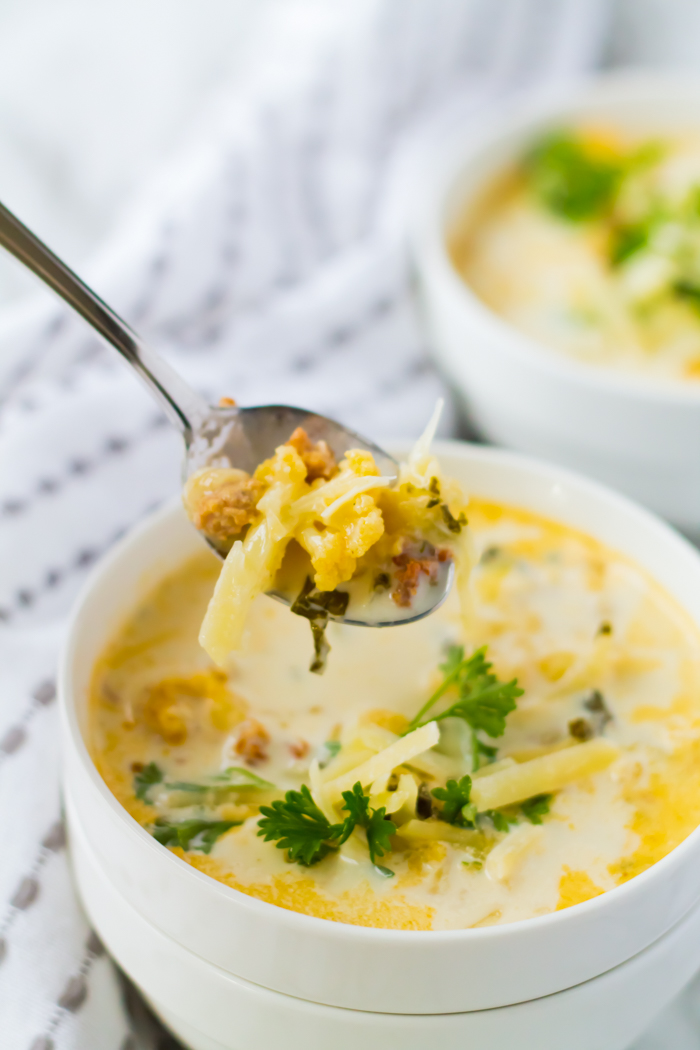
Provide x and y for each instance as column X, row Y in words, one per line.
column 235, row 778
column 145, row 779
column 321, row 648
column 453, row 524
column 191, row 834
column 328, row 751
column 317, row 607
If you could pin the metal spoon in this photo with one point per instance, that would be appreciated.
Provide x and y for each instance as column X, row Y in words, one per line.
column 231, row 436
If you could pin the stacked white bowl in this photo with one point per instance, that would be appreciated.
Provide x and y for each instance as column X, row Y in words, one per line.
column 229, row 972
column 640, row 435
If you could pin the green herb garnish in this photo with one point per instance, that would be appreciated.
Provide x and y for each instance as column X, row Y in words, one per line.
column 690, row 291
column 501, row 819
column 299, row 826
column 627, row 241
column 191, row 834
column 378, row 827
column 536, row 807
column 457, row 809
column 453, row 524
column 235, row 778
column 145, row 779
column 569, row 181
column 327, row 752
column 317, row 607
column 484, row 702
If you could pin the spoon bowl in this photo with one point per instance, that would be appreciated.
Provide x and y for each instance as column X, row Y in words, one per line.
column 244, row 437
column 226, row 436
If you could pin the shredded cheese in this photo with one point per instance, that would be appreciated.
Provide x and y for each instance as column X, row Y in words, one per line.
column 397, row 754
column 541, row 775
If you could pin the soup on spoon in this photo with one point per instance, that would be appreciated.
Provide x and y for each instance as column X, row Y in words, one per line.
column 335, row 540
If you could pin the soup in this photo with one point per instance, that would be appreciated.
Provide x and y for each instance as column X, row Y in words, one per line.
column 413, row 786
column 591, row 245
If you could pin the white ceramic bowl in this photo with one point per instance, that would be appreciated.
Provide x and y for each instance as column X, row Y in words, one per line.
column 636, row 433
column 330, row 963
column 211, row 1009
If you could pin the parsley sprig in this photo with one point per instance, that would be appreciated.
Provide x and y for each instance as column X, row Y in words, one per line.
column 456, row 807
column 296, row 824
column 378, row 827
column 483, row 701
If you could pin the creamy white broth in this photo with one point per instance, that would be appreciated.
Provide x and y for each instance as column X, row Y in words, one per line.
column 556, row 609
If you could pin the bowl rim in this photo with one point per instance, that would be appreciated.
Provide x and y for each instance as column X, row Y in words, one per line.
column 299, row 921
column 452, row 158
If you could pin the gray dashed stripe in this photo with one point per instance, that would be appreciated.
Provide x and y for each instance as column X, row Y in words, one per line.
column 80, row 466
column 341, row 336
column 14, row 738
column 29, row 596
column 25, row 894
column 29, row 886
column 74, row 994
column 42, row 1042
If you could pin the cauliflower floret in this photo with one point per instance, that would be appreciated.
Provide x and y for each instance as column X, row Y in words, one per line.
column 334, row 551
column 361, row 462
column 361, row 523
column 332, row 562
column 286, row 467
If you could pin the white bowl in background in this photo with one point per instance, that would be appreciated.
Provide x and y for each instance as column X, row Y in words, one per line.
column 638, row 434
column 334, row 964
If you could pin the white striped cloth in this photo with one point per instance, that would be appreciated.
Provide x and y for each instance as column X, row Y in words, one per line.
column 269, row 264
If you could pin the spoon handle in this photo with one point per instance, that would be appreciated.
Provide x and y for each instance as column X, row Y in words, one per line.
column 181, row 404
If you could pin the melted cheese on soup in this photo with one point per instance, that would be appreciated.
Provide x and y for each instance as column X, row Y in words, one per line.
column 605, row 658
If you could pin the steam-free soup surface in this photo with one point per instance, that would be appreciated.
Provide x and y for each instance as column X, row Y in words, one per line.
column 601, row 652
